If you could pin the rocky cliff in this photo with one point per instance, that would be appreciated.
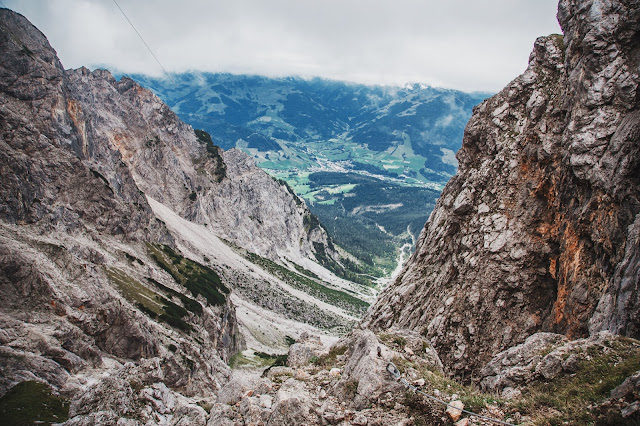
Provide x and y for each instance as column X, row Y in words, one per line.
column 538, row 231
column 185, row 171
column 88, row 293
column 97, row 301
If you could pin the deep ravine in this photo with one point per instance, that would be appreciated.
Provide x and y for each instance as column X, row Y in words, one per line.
column 149, row 277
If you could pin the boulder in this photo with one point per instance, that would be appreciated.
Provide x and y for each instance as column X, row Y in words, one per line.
column 306, row 348
column 241, row 386
column 365, row 377
column 292, row 405
column 516, row 366
column 454, row 410
column 222, row 415
column 630, row 387
column 543, row 356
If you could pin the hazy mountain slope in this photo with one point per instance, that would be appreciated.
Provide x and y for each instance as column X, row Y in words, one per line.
column 539, row 228
column 292, row 122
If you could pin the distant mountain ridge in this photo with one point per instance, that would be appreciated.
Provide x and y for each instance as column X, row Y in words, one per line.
column 285, row 122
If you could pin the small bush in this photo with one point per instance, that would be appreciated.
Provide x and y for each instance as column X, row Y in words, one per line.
column 400, row 341
column 191, row 305
column 133, row 259
column 176, row 322
column 330, row 359
column 278, row 360
column 196, row 277
column 213, row 153
column 146, row 310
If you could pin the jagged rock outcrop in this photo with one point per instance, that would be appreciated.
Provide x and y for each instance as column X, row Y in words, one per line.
column 538, row 231
column 83, row 297
column 551, row 358
column 170, row 163
column 346, row 384
column 306, row 348
column 543, row 356
column 46, row 177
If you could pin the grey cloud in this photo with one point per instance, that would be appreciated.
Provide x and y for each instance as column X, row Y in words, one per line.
column 465, row 44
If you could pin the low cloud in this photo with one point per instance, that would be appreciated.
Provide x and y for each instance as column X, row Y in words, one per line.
column 469, row 45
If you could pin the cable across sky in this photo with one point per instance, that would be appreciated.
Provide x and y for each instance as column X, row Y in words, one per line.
column 144, row 42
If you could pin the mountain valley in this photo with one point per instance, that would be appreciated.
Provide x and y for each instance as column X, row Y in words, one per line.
column 370, row 161
column 148, row 276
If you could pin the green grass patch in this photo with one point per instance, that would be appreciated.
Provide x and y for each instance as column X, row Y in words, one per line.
column 473, row 399
column 32, row 402
column 239, row 360
column 393, row 340
column 570, row 395
column 190, row 304
column 304, row 271
column 258, row 360
column 330, row 360
column 273, row 360
column 312, row 287
column 199, row 279
column 568, row 399
column 148, row 301
column 273, row 165
column 135, row 292
column 341, row 189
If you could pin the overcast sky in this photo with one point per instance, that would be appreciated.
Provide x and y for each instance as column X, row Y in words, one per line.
column 463, row 44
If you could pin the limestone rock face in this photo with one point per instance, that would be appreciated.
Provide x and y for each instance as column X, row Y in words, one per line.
column 46, row 175
column 365, row 370
column 169, row 163
column 539, row 230
column 75, row 232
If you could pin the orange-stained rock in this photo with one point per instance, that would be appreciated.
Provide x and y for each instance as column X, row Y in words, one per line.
column 540, row 228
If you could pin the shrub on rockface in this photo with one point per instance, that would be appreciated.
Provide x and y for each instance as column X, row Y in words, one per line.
column 196, row 277
column 213, row 152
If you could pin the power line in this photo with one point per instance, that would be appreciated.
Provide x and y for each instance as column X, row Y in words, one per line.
column 144, row 42
column 4, row 5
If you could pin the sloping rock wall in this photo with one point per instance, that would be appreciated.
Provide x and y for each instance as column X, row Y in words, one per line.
column 538, row 231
